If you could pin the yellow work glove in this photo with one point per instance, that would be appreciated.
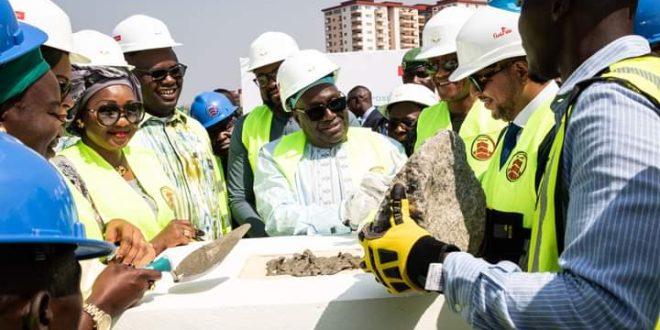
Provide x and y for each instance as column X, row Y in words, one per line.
column 399, row 251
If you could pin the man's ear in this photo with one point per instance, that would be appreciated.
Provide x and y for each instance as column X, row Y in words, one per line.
column 521, row 70
column 559, row 9
column 41, row 313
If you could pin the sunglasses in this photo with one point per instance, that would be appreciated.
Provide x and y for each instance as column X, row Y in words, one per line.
column 109, row 113
column 481, row 79
column 317, row 112
column 420, row 71
column 177, row 72
column 407, row 123
column 263, row 79
column 448, row 66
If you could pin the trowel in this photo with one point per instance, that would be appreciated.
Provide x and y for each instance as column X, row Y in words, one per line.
column 202, row 260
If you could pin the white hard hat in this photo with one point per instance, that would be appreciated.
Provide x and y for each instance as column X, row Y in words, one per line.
column 301, row 70
column 50, row 18
column 439, row 36
column 269, row 48
column 141, row 32
column 489, row 36
column 101, row 49
column 413, row 93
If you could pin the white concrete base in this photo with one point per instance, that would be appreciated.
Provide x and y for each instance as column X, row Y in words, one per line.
column 236, row 296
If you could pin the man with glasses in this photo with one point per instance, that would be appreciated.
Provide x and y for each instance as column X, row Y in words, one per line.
column 458, row 110
column 326, row 178
column 180, row 140
column 261, row 125
column 500, row 76
column 406, row 103
column 596, row 263
column 414, row 71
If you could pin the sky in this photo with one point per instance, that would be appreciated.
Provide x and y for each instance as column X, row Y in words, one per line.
column 214, row 33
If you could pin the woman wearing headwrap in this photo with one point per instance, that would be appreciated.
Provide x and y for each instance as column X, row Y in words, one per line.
column 121, row 181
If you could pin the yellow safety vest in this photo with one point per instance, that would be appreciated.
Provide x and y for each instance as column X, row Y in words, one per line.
column 256, row 132
column 479, row 132
column 114, row 198
column 639, row 74
column 365, row 152
column 511, row 190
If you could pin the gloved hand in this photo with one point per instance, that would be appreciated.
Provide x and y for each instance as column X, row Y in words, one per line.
column 400, row 255
column 366, row 199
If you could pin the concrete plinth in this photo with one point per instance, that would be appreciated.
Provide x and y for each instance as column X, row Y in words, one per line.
column 237, row 295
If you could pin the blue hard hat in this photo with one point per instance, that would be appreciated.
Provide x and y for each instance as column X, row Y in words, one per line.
column 509, row 5
column 16, row 38
column 647, row 20
column 37, row 206
column 210, row 108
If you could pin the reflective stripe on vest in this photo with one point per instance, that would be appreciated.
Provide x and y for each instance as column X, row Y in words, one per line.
column 256, row 132
column 479, row 132
column 114, row 198
column 639, row 74
column 511, row 190
column 364, row 148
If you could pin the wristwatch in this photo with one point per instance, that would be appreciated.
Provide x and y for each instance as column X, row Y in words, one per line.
column 102, row 320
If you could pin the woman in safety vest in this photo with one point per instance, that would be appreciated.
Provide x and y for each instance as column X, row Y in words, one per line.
column 120, row 181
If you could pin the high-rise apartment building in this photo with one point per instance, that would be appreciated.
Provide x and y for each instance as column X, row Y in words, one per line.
column 368, row 25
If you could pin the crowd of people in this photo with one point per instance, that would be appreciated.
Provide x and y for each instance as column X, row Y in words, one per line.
column 557, row 107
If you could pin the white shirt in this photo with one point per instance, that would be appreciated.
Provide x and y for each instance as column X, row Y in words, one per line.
column 322, row 182
column 546, row 94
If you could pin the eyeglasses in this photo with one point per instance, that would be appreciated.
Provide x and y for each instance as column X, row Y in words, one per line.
column 177, row 72
column 108, row 114
column 263, row 79
column 481, row 79
column 317, row 112
column 449, row 65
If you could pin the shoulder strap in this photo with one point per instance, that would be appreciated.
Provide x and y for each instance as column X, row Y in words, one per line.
column 561, row 192
column 70, row 173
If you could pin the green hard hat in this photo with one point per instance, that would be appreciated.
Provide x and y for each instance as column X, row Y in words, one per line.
column 409, row 60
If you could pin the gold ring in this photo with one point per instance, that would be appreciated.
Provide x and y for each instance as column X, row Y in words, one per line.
column 186, row 233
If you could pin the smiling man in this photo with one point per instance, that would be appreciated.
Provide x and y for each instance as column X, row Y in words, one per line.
column 326, row 178
column 458, row 110
column 180, row 141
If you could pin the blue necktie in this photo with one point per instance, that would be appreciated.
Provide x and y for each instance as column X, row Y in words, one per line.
column 510, row 139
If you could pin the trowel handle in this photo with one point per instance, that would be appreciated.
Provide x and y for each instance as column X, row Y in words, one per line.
column 161, row 264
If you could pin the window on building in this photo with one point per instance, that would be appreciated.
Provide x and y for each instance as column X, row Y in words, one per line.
column 354, row 7
column 369, row 24
column 345, row 34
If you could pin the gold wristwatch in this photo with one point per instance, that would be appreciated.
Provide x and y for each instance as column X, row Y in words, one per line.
column 102, row 320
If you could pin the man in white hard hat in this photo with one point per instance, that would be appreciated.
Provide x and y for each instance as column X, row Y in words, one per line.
column 458, row 109
column 180, row 140
column 596, row 263
column 490, row 54
column 406, row 103
column 326, row 178
column 261, row 125
column 50, row 18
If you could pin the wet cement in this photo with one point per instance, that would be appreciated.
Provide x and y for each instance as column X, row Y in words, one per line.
column 307, row 264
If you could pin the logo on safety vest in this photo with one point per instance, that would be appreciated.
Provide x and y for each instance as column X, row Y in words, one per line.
column 169, row 196
column 482, row 147
column 517, row 166
column 117, row 37
column 212, row 110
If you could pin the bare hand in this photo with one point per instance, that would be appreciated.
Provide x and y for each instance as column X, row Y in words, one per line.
column 119, row 287
column 177, row 232
column 133, row 247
